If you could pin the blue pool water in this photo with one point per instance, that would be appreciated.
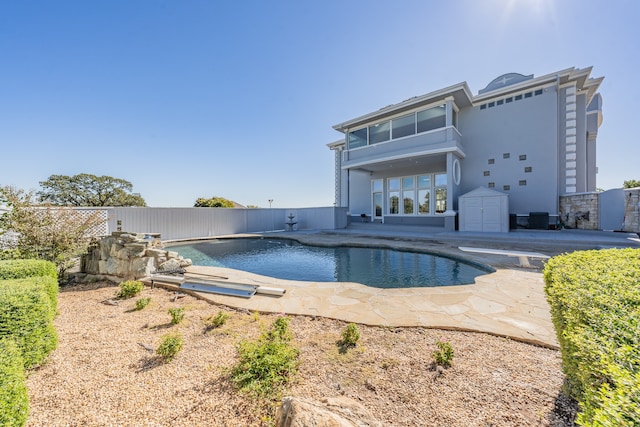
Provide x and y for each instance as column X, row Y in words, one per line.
column 286, row 259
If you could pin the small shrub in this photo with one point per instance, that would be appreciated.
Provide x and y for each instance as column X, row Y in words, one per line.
column 217, row 320
column 142, row 303
column 177, row 315
column 443, row 355
column 129, row 289
column 350, row 335
column 266, row 365
column 14, row 399
column 170, row 346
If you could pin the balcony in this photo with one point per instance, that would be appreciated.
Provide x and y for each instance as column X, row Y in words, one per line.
column 438, row 141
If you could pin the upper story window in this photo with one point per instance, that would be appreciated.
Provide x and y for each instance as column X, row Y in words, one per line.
column 380, row 132
column 358, row 138
column 407, row 125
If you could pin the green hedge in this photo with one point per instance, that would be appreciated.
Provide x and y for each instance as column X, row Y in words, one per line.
column 595, row 307
column 26, row 315
column 48, row 284
column 14, row 399
column 22, row 268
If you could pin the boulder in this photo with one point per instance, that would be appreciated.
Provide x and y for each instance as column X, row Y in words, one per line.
column 328, row 412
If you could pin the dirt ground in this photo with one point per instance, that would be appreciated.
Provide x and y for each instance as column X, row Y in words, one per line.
column 105, row 373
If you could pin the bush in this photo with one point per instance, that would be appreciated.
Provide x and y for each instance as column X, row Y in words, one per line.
column 170, row 345
column 129, row 289
column 14, row 399
column 48, row 284
column 6, row 254
column 26, row 315
column 217, row 320
column 177, row 315
column 350, row 335
column 142, row 303
column 266, row 365
column 22, row 268
column 595, row 307
column 443, row 355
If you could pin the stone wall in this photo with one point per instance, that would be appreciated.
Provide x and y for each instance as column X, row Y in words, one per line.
column 579, row 211
column 632, row 210
column 126, row 256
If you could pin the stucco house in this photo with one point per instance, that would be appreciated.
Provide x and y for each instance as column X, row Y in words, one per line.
column 530, row 138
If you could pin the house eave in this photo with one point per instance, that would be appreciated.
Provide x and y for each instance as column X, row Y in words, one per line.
column 459, row 91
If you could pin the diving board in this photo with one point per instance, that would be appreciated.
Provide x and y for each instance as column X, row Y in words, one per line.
column 523, row 257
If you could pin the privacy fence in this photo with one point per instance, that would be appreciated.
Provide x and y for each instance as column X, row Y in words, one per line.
column 188, row 223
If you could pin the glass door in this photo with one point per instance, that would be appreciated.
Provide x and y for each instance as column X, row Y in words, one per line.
column 376, row 186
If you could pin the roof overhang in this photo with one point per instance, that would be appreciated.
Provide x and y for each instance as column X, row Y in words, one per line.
column 460, row 93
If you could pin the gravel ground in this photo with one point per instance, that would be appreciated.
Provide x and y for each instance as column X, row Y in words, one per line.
column 102, row 374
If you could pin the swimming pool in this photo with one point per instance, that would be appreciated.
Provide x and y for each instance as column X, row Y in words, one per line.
column 288, row 259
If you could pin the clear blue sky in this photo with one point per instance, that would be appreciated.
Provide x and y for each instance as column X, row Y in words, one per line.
column 189, row 99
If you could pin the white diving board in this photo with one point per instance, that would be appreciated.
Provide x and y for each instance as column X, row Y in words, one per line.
column 523, row 257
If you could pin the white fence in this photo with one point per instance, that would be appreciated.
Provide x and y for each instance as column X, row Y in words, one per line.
column 185, row 223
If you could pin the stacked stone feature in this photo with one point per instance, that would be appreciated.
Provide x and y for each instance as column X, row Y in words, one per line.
column 129, row 256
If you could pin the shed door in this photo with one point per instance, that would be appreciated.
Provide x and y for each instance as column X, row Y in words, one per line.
column 491, row 214
column 473, row 214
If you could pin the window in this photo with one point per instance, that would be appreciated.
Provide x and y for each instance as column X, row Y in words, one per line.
column 433, row 118
column 407, row 202
column 491, row 104
column 491, row 161
column 518, row 97
column 483, row 107
column 508, row 100
column 499, row 102
column 528, row 95
column 522, row 157
column 379, row 133
column 486, row 173
column 377, row 185
column 358, row 138
column 528, row 169
column 522, row 182
column 491, row 185
column 403, row 126
column 506, row 155
column 441, row 192
column 506, row 187
column 424, row 193
column 394, row 196
column 538, row 92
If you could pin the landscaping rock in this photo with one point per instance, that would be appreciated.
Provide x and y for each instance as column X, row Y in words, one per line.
column 328, row 412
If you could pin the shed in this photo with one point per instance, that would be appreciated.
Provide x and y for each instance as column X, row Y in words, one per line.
column 485, row 210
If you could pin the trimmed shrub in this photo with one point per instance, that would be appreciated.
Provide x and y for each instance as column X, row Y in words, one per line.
column 595, row 307
column 170, row 345
column 22, row 268
column 46, row 283
column 266, row 365
column 26, row 315
column 14, row 399
column 129, row 289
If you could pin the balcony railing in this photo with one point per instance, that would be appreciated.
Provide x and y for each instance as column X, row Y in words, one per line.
column 437, row 141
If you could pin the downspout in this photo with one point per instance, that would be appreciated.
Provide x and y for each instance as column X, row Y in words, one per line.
column 559, row 147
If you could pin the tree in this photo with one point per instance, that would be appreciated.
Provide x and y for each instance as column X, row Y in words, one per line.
column 214, row 202
column 88, row 190
column 632, row 183
column 52, row 233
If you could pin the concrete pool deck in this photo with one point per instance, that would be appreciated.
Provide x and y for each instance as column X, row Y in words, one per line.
column 509, row 302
